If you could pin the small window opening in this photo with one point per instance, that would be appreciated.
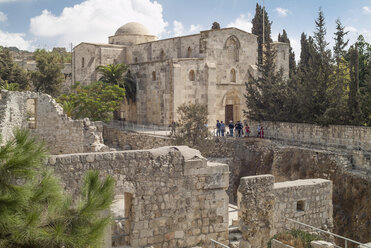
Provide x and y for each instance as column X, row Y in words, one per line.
column 300, row 206
column 153, row 75
column 31, row 113
column 82, row 62
column 233, row 75
column 189, row 52
column 192, row 75
column 162, row 55
column 136, row 60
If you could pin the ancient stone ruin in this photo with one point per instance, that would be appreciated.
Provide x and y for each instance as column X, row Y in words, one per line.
column 172, row 196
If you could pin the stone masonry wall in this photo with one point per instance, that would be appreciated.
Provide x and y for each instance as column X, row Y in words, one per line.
column 315, row 195
column 348, row 137
column 133, row 141
column 60, row 133
column 265, row 206
column 179, row 199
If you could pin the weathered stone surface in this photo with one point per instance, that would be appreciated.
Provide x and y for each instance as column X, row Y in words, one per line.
column 278, row 244
column 169, row 208
column 265, row 206
column 321, row 244
column 60, row 133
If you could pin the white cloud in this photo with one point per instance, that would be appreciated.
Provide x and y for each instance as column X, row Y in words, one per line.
column 350, row 29
column 179, row 30
column 242, row 23
column 95, row 20
column 366, row 9
column 281, row 11
column 15, row 40
column 3, row 17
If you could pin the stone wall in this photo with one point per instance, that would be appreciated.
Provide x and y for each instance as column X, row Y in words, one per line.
column 265, row 206
column 308, row 201
column 347, row 137
column 278, row 244
column 126, row 140
column 45, row 118
column 178, row 198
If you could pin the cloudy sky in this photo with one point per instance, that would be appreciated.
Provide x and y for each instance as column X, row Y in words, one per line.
column 30, row 24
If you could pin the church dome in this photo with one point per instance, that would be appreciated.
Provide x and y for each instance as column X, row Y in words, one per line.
column 132, row 28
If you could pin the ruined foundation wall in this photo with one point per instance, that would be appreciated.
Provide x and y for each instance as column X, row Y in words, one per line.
column 347, row 137
column 265, row 206
column 308, row 201
column 133, row 141
column 179, row 199
column 60, row 133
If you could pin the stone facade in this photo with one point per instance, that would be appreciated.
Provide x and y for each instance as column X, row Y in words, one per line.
column 177, row 198
column 209, row 68
column 265, row 206
column 45, row 118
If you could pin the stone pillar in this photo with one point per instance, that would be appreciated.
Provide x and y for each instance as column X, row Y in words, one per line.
column 255, row 199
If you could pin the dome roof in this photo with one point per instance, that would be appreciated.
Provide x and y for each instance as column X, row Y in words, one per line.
column 132, row 28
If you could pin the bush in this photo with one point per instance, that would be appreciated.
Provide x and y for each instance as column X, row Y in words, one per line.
column 296, row 238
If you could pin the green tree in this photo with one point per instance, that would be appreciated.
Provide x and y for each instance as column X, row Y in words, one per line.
column 34, row 211
column 266, row 94
column 257, row 29
column 48, row 76
column 364, row 69
column 119, row 75
column 292, row 62
column 191, row 129
column 96, row 101
column 215, row 26
column 12, row 76
column 354, row 96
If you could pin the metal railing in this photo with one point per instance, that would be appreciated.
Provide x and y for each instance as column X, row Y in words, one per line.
column 215, row 244
column 346, row 240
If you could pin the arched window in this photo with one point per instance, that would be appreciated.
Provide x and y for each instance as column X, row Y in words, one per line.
column 233, row 75
column 153, row 75
column 191, row 75
column 82, row 62
column 232, row 45
column 189, row 52
column 162, row 55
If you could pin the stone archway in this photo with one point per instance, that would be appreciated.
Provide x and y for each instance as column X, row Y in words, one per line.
column 232, row 106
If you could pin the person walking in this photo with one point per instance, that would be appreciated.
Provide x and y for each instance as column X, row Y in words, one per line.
column 231, row 126
column 262, row 132
column 222, row 128
column 259, row 128
column 173, row 127
column 218, row 126
column 247, row 130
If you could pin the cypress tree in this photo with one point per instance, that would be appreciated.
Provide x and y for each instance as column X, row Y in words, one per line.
column 266, row 94
column 354, row 97
column 257, row 29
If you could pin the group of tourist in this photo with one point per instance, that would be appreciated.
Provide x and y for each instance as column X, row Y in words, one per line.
column 236, row 129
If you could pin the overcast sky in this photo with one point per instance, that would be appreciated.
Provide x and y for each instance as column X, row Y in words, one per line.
column 30, row 24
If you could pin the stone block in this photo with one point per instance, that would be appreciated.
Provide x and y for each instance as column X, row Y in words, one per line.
column 321, row 244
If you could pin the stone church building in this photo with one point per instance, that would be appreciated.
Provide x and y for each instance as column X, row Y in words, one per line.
column 209, row 68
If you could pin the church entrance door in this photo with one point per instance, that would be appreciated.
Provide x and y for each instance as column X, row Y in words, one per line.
column 228, row 113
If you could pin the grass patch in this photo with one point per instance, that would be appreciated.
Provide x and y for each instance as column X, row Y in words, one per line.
column 296, row 238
